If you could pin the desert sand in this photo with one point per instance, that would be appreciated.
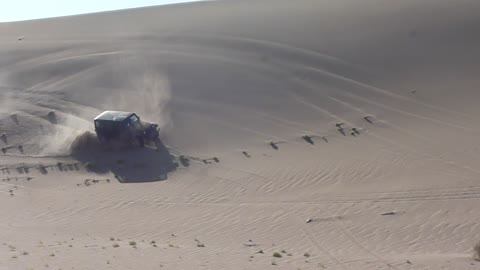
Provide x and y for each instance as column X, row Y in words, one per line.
column 315, row 134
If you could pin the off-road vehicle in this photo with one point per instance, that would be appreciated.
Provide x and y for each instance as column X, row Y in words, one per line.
column 125, row 128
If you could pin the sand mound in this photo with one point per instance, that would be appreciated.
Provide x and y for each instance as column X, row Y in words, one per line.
column 84, row 142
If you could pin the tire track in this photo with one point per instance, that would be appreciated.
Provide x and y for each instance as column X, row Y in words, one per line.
column 412, row 149
column 249, row 44
column 352, row 107
column 400, row 130
column 383, row 91
column 331, row 200
column 317, row 244
column 427, row 118
column 340, row 226
column 328, row 58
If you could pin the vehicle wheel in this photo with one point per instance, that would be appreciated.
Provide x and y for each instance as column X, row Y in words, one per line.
column 141, row 142
column 158, row 144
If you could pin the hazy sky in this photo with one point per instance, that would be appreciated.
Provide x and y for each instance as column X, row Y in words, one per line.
column 17, row 10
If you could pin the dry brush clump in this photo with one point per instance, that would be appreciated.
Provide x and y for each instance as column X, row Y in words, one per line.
column 277, row 255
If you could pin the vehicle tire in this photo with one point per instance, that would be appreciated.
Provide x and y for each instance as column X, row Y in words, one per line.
column 158, row 144
column 141, row 141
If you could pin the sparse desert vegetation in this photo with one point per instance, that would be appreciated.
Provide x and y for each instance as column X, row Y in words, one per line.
column 199, row 244
column 277, row 255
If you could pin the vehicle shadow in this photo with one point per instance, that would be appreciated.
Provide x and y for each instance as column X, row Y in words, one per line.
column 134, row 165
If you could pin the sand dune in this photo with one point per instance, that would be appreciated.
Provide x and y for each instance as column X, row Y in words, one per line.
column 307, row 135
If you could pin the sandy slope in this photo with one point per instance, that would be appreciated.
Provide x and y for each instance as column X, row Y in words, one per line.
column 225, row 79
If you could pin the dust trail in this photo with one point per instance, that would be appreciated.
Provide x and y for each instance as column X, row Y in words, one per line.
column 6, row 96
column 69, row 130
column 145, row 91
column 86, row 141
column 148, row 95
